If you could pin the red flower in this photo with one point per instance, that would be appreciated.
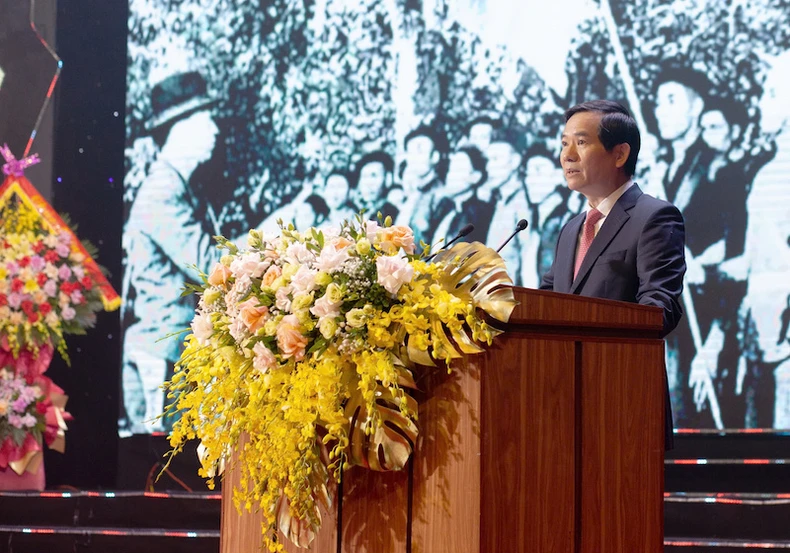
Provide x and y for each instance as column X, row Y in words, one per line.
column 3, row 300
column 17, row 285
column 67, row 287
column 38, row 247
column 44, row 308
column 27, row 307
column 86, row 282
column 34, row 317
column 41, row 279
column 41, row 407
column 24, row 262
column 51, row 256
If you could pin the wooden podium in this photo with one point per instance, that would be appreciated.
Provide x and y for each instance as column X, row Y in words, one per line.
column 550, row 442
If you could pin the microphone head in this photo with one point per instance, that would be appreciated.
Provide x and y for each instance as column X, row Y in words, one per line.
column 466, row 230
column 522, row 224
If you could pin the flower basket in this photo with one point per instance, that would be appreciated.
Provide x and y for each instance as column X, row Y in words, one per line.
column 49, row 287
column 311, row 344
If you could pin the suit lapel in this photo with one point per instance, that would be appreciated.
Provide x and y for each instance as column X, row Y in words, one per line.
column 611, row 226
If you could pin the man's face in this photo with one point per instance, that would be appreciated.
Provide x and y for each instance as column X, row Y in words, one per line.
column 480, row 136
column 503, row 161
column 195, row 136
column 304, row 217
column 716, row 130
column 335, row 191
column 589, row 169
column 419, row 156
column 371, row 181
column 542, row 179
column 461, row 176
column 674, row 110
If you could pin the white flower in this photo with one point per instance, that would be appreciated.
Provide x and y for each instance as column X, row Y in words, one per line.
column 249, row 264
column 393, row 272
column 330, row 232
column 331, row 259
column 283, row 302
column 51, row 271
column 298, row 253
column 303, row 280
column 238, row 330
column 264, row 358
column 325, row 307
column 202, row 328
column 371, row 228
column 51, row 319
column 68, row 313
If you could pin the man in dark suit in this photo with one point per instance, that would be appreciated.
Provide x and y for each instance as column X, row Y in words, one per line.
column 626, row 246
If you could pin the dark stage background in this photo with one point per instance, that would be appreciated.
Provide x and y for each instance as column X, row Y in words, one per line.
column 90, row 104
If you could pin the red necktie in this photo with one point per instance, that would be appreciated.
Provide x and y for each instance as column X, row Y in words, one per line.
column 588, row 233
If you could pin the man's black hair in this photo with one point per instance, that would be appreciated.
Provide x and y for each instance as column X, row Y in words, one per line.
column 616, row 127
column 436, row 138
column 478, row 161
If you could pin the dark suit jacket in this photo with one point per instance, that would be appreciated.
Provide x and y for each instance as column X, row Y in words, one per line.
column 637, row 256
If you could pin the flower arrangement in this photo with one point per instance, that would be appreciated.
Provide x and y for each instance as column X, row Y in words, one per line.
column 50, row 286
column 45, row 290
column 32, row 409
column 307, row 343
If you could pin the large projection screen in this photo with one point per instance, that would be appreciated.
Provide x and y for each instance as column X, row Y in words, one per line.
column 243, row 113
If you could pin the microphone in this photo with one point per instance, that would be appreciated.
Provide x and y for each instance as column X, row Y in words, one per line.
column 522, row 224
column 463, row 232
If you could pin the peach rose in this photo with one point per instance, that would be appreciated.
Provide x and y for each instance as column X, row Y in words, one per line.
column 340, row 242
column 219, row 275
column 271, row 274
column 394, row 237
column 252, row 314
column 290, row 340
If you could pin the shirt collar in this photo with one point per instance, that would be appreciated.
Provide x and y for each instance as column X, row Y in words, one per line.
column 605, row 207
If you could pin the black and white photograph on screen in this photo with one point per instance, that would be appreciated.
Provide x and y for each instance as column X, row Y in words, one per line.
column 442, row 113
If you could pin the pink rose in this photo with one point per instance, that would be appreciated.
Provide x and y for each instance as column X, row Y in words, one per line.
column 371, row 228
column 283, row 301
column 219, row 275
column 290, row 340
column 68, row 313
column 64, row 272
column 303, row 280
column 248, row 264
column 331, row 258
column 264, row 358
column 298, row 253
column 393, row 272
column 62, row 250
column 51, row 288
column 324, row 307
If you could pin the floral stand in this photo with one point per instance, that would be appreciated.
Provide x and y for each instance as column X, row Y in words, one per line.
column 32, row 413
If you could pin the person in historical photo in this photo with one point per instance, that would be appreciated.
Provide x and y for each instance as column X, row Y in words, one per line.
column 442, row 116
column 169, row 228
